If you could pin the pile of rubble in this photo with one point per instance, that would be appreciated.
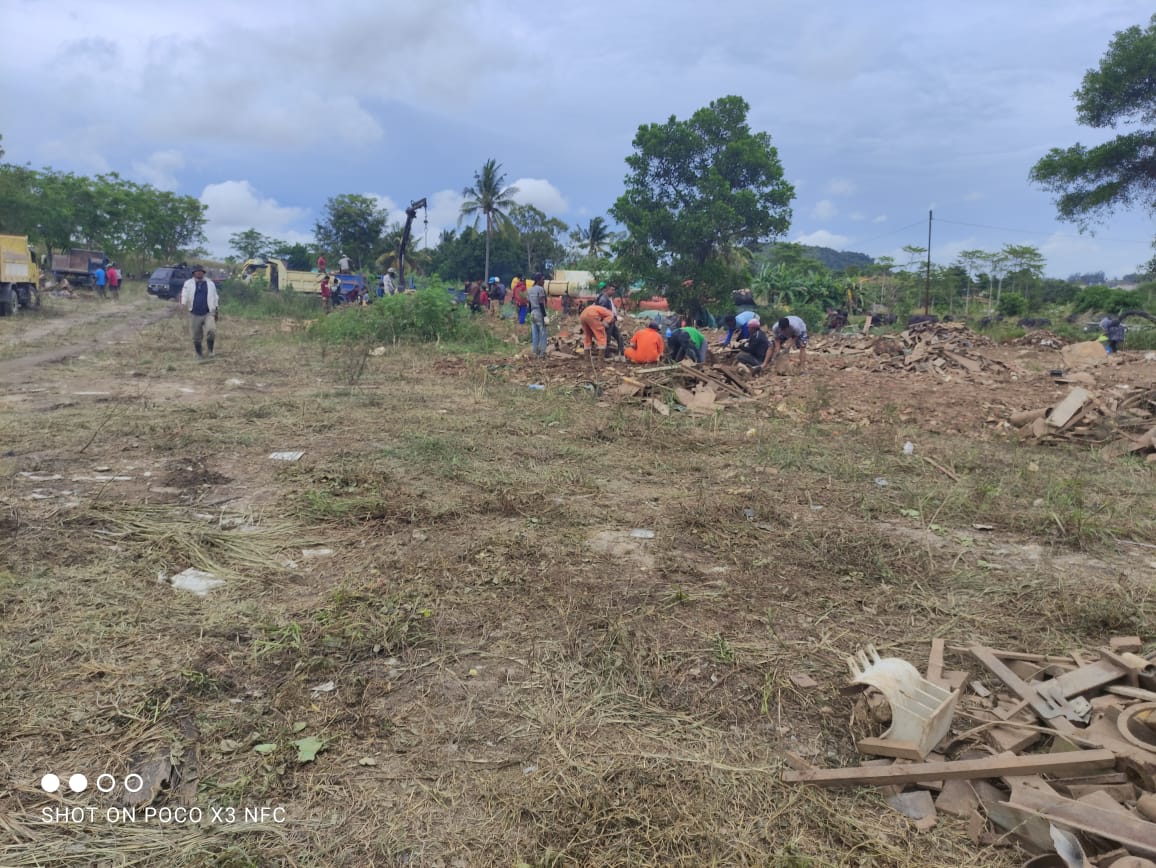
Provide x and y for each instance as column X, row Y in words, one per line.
column 938, row 348
column 1087, row 789
column 1041, row 338
column 1121, row 421
column 700, row 388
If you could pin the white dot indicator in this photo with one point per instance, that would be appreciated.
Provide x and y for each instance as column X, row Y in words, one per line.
column 134, row 783
column 50, row 783
column 78, row 783
column 106, row 783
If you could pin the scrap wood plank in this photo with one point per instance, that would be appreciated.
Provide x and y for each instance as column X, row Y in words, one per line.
column 1050, row 711
column 1138, row 835
column 1067, row 409
column 1004, row 765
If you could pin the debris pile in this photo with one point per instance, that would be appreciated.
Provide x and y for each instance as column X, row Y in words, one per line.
column 1041, row 338
column 701, row 389
column 1121, row 421
column 940, row 348
column 1087, row 788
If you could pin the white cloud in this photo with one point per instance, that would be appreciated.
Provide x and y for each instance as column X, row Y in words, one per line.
column 442, row 211
column 159, row 169
column 974, row 197
column 841, row 187
column 824, row 209
column 857, row 216
column 823, row 238
column 234, row 206
column 542, row 195
column 882, row 218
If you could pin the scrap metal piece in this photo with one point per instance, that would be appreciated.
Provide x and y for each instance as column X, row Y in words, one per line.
column 921, row 712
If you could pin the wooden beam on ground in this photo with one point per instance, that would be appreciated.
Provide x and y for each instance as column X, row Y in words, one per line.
column 1067, row 763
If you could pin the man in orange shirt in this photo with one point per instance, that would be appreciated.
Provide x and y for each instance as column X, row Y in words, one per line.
column 594, row 320
column 646, row 346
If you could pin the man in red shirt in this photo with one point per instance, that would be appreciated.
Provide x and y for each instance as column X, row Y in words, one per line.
column 113, row 275
column 520, row 298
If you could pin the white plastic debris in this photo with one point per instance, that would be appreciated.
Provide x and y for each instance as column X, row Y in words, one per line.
column 642, row 533
column 196, row 581
column 286, row 456
column 316, row 553
column 908, row 448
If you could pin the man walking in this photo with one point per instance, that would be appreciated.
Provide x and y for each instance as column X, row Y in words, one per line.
column 199, row 295
column 113, row 277
column 536, row 298
column 100, row 279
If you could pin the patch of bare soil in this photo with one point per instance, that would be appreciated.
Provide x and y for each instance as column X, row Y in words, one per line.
column 477, row 623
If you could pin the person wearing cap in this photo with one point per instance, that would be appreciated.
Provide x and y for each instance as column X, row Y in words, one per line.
column 389, row 282
column 646, row 346
column 199, row 295
column 790, row 330
column 737, row 323
column 758, row 351
column 343, row 264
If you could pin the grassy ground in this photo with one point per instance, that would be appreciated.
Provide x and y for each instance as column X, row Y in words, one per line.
column 496, row 669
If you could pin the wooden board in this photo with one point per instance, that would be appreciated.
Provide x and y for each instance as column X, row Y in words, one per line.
column 1067, row 763
column 1138, row 835
column 1072, row 404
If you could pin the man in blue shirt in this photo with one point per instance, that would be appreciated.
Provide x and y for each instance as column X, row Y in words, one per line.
column 100, row 278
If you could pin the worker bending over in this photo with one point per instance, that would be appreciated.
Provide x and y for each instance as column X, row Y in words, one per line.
column 687, row 342
column 757, row 354
column 646, row 346
column 739, row 323
column 594, row 320
column 790, row 330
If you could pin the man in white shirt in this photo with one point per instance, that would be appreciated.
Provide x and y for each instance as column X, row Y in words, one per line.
column 199, row 296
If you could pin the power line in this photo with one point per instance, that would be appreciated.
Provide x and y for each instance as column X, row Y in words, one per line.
column 1035, row 231
column 890, row 232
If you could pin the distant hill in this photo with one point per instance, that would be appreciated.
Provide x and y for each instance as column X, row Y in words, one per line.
column 835, row 260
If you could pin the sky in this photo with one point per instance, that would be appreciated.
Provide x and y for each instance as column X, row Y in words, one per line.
column 881, row 112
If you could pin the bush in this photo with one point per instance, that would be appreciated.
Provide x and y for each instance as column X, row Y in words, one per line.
column 423, row 316
column 1012, row 304
column 253, row 299
column 1107, row 300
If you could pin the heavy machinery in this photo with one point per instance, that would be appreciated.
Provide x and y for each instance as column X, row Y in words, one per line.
column 280, row 276
column 19, row 275
column 77, row 266
column 410, row 216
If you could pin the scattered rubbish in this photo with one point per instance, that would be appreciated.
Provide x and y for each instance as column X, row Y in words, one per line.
column 881, row 482
column 233, row 381
column 1121, row 421
column 367, row 761
column 321, row 552
column 749, row 513
column 803, row 680
column 908, row 448
column 642, row 533
column 196, row 581
column 40, row 477
column 377, row 351
column 1089, row 788
column 537, row 387
column 920, row 711
column 286, row 456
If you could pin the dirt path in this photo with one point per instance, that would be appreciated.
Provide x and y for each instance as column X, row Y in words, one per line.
column 85, row 328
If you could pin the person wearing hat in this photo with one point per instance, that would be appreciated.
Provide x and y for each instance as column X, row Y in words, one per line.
column 199, row 295
column 389, row 282
column 646, row 346
column 343, row 264
column 758, row 351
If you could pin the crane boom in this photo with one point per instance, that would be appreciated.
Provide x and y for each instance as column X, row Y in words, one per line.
column 410, row 215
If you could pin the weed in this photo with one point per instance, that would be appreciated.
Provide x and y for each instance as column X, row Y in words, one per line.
column 723, row 652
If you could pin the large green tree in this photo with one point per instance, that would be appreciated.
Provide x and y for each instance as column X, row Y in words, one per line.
column 537, row 234
column 352, row 224
column 250, row 244
column 698, row 188
column 1121, row 92
column 488, row 198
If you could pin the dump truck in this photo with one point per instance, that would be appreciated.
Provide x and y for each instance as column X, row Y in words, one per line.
column 77, row 266
column 280, row 276
column 19, row 275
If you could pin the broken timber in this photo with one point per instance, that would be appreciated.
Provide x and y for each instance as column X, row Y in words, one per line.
column 1070, row 762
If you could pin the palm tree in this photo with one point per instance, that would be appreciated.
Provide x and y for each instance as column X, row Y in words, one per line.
column 488, row 197
column 594, row 238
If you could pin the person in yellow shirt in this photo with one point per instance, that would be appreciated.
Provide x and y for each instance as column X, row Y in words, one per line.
column 646, row 346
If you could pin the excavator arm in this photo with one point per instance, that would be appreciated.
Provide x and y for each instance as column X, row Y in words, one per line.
column 410, row 216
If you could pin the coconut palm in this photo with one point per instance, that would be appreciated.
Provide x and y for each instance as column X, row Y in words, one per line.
column 488, row 197
column 594, row 238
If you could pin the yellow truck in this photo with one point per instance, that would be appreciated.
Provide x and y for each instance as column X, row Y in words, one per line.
column 281, row 277
column 19, row 275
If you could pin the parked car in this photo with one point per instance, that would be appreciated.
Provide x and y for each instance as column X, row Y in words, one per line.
column 168, row 281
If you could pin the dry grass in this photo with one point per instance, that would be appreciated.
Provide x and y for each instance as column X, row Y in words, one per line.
column 515, row 679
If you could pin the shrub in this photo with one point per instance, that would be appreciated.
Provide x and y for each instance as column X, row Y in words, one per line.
column 1106, row 299
column 423, row 316
column 1012, row 304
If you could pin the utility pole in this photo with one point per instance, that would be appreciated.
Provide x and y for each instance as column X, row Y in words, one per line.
column 927, row 289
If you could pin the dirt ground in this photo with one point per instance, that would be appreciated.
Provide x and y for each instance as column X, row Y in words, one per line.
column 476, row 623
